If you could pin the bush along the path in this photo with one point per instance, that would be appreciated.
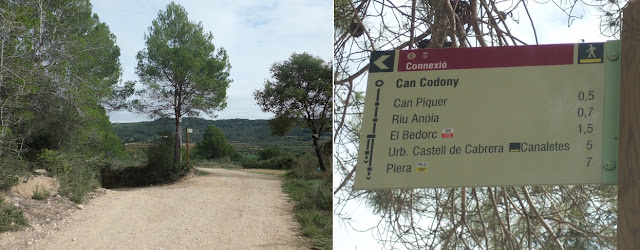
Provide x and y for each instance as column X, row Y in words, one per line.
column 158, row 169
column 11, row 217
column 267, row 158
column 77, row 174
column 311, row 190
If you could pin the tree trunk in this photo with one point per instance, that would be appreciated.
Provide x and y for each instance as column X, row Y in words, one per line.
column 628, row 162
column 318, row 152
column 177, row 145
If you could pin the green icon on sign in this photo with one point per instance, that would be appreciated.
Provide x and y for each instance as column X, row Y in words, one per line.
column 590, row 53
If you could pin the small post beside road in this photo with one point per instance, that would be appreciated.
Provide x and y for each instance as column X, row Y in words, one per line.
column 629, row 145
column 187, row 131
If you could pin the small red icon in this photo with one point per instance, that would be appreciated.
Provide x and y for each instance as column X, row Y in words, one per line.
column 447, row 133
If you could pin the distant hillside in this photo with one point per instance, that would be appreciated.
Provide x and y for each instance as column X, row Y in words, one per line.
column 237, row 131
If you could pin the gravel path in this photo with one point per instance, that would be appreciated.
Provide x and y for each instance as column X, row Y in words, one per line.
column 226, row 209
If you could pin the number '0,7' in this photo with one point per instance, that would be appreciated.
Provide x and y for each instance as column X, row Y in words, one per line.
column 582, row 112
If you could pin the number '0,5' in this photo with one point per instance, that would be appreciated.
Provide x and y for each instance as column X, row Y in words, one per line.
column 588, row 96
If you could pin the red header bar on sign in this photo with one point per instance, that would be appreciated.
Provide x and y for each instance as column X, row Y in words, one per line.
column 485, row 57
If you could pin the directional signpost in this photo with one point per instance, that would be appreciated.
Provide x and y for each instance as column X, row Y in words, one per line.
column 498, row 116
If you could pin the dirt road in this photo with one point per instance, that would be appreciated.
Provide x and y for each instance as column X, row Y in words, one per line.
column 227, row 209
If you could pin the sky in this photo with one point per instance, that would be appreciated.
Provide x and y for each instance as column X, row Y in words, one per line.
column 552, row 28
column 255, row 33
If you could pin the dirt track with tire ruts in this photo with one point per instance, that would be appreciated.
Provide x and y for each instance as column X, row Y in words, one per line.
column 225, row 209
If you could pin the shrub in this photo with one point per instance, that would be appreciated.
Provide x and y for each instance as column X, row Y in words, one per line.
column 51, row 160
column 7, row 178
column 285, row 161
column 282, row 162
column 130, row 176
column 236, row 156
column 10, row 168
column 231, row 152
column 213, row 144
column 79, row 180
column 269, row 152
column 11, row 217
column 306, row 167
column 77, row 174
column 158, row 169
column 247, row 161
column 160, row 158
column 311, row 190
column 317, row 192
column 40, row 194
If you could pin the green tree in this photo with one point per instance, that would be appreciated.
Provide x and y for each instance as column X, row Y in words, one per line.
column 58, row 67
column 213, row 144
column 182, row 71
column 299, row 94
column 59, row 62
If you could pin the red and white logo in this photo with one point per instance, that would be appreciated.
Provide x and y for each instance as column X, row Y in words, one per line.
column 411, row 56
column 447, row 133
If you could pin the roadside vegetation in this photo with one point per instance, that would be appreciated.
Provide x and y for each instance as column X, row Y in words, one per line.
column 299, row 93
column 304, row 182
column 246, row 136
column 157, row 168
column 59, row 75
column 11, row 217
column 268, row 158
column 311, row 191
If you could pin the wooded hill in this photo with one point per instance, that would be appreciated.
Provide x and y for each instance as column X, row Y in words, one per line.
column 242, row 133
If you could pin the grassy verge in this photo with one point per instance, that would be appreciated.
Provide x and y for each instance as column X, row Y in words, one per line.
column 216, row 163
column 201, row 173
column 311, row 191
column 11, row 217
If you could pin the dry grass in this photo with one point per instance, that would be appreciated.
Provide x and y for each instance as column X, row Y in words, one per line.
column 277, row 172
column 26, row 188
